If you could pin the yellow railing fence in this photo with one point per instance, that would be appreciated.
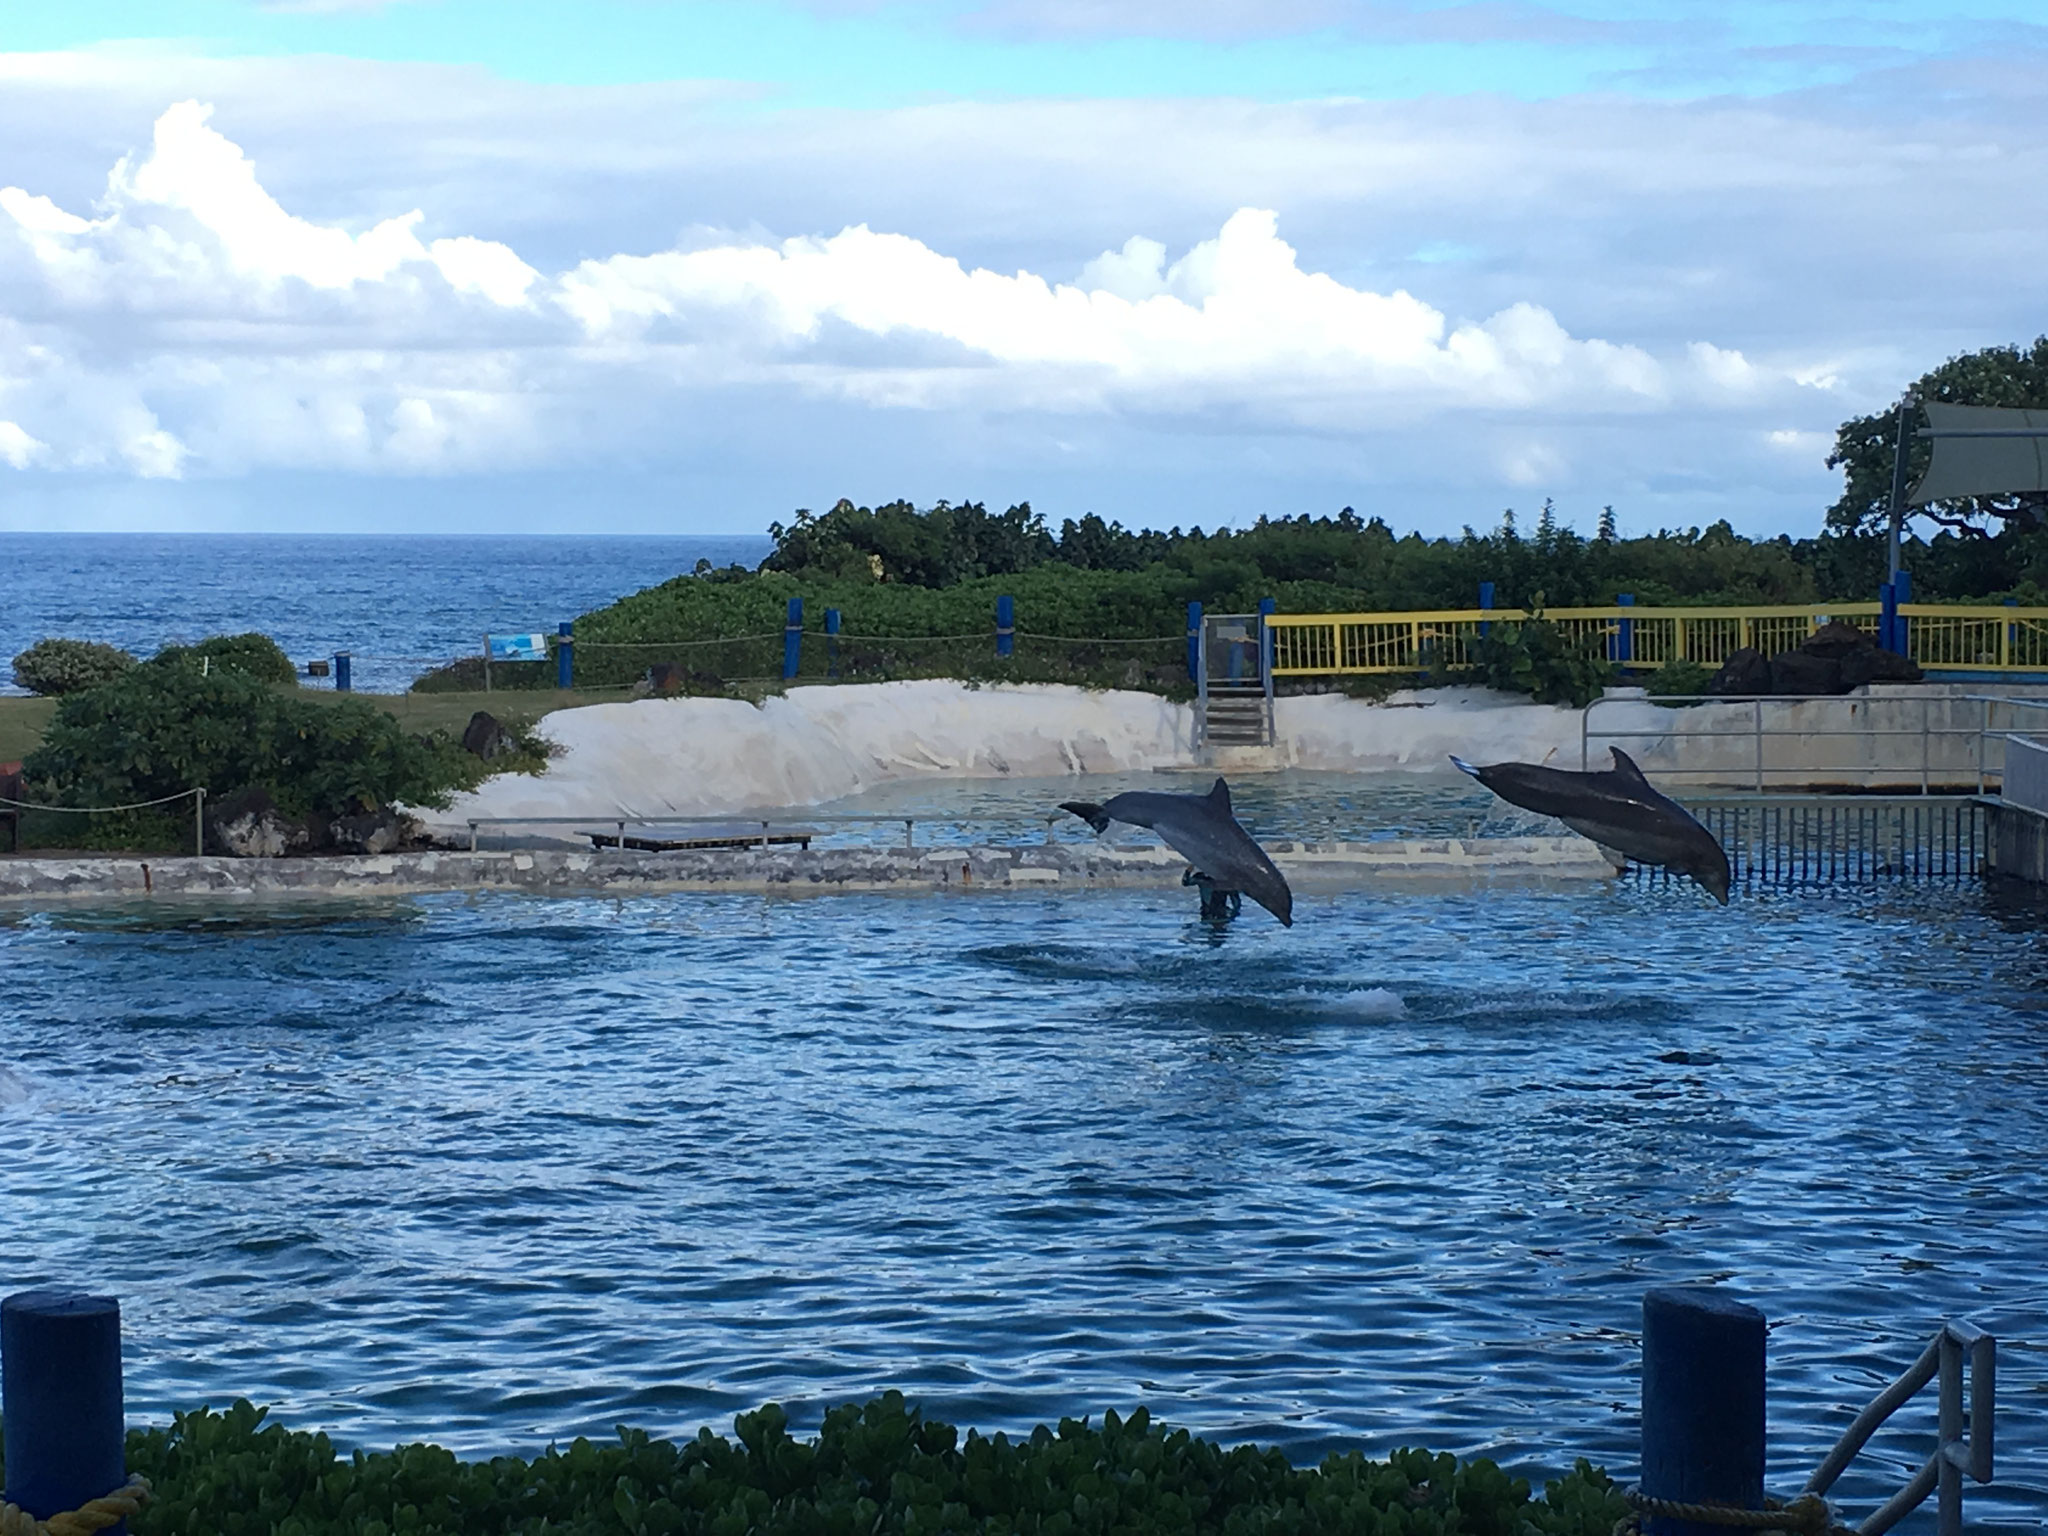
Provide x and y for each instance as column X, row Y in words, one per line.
column 1940, row 637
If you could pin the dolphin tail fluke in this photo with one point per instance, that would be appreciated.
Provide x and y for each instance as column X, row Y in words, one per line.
column 1088, row 812
column 1463, row 766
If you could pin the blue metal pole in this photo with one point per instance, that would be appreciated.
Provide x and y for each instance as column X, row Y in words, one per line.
column 1902, row 592
column 565, row 655
column 341, row 678
column 1485, row 601
column 2012, row 632
column 1887, row 616
column 793, row 638
column 60, row 1400
column 1006, row 626
column 1703, row 1403
column 1194, row 642
column 1625, row 642
column 1267, row 608
column 831, row 642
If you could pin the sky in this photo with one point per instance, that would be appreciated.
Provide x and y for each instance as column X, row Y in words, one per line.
column 684, row 266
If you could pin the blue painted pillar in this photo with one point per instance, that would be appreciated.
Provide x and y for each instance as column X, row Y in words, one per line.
column 1267, row 608
column 341, row 677
column 60, row 1400
column 1485, row 601
column 2012, row 635
column 565, row 655
column 1625, row 641
column 793, row 638
column 1703, row 1403
column 831, row 642
column 1006, row 626
column 1887, row 616
column 1902, row 592
column 1194, row 642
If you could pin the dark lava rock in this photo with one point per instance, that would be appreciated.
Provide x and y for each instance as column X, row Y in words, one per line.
column 249, row 825
column 1744, row 674
column 1871, row 665
column 1798, row 672
column 372, row 832
column 1835, row 640
column 484, row 737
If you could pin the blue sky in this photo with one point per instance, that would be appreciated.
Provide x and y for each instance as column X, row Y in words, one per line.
column 681, row 267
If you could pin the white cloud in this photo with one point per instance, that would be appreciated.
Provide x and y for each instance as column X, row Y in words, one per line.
column 17, row 448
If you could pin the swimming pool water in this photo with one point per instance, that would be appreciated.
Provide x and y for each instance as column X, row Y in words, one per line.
column 493, row 1171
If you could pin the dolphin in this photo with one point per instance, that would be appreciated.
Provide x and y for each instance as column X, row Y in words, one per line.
column 1202, row 830
column 1618, row 809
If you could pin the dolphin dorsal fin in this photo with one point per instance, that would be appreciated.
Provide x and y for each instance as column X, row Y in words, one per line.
column 1626, row 766
column 1219, row 792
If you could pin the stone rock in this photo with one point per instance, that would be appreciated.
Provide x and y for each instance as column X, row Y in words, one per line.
column 1872, row 665
column 1835, row 640
column 372, row 832
column 484, row 737
column 1800, row 672
column 1744, row 674
column 249, row 825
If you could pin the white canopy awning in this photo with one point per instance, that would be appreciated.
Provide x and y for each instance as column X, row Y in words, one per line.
column 1983, row 450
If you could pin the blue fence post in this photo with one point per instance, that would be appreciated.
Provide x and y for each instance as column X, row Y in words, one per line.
column 1194, row 642
column 1703, row 1403
column 341, row 677
column 1006, row 626
column 1887, row 616
column 793, row 638
column 1902, row 592
column 831, row 642
column 60, row 1400
column 1625, row 641
column 1485, row 601
column 565, row 655
column 2012, row 635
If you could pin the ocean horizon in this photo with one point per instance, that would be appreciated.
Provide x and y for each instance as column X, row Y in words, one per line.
column 400, row 604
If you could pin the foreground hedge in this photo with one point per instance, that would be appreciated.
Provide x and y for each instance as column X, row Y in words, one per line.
column 875, row 1467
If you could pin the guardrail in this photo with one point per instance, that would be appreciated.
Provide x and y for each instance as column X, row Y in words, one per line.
column 766, row 835
column 1986, row 638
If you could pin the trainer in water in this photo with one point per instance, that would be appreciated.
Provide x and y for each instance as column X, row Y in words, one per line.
column 1619, row 810
column 1202, row 830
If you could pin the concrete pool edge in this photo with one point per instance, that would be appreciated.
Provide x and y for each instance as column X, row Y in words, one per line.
column 32, row 882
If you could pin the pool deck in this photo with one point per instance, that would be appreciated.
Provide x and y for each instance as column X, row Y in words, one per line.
column 36, row 882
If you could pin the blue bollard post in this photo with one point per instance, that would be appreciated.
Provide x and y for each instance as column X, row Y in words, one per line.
column 793, row 638
column 1267, row 608
column 341, row 677
column 2012, row 631
column 565, row 655
column 1887, row 616
column 1006, row 626
column 1194, row 642
column 831, row 642
column 1625, row 641
column 1703, row 1404
column 1902, row 592
column 60, row 1400
column 1485, row 601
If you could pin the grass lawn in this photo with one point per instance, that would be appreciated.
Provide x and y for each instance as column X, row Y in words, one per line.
column 23, row 720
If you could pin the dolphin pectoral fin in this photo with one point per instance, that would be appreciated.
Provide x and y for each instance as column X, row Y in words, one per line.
column 1088, row 812
column 1614, row 856
column 1463, row 766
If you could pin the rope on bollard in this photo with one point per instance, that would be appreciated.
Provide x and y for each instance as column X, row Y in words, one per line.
column 1807, row 1515
column 93, row 1515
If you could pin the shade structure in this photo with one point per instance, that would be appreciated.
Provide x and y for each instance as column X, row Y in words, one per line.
column 1982, row 450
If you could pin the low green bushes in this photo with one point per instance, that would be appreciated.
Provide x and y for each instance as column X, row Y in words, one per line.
column 880, row 1466
column 1536, row 657
column 250, row 655
column 69, row 666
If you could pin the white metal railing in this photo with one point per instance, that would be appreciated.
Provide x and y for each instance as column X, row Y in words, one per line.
column 1987, row 732
column 1914, row 762
column 1962, row 1442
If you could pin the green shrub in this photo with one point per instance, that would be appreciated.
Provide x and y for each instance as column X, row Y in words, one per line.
column 159, row 730
column 877, row 1466
column 1678, row 677
column 465, row 674
column 250, row 655
column 69, row 666
column 1536, row 657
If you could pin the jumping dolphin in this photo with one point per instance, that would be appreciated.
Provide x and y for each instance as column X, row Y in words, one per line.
column 1201, row 829
column 1617, row 809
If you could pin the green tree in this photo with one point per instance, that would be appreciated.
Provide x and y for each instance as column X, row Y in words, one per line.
column 1865, row 446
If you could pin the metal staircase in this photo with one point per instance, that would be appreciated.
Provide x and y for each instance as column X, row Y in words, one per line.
column 1234, row 681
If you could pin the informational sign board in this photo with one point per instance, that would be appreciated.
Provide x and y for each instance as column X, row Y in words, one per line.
column 532, row 647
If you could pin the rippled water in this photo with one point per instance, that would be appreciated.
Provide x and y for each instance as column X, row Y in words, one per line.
column 497, row 1170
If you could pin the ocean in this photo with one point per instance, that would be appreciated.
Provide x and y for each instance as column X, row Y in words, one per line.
column 400, row 605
